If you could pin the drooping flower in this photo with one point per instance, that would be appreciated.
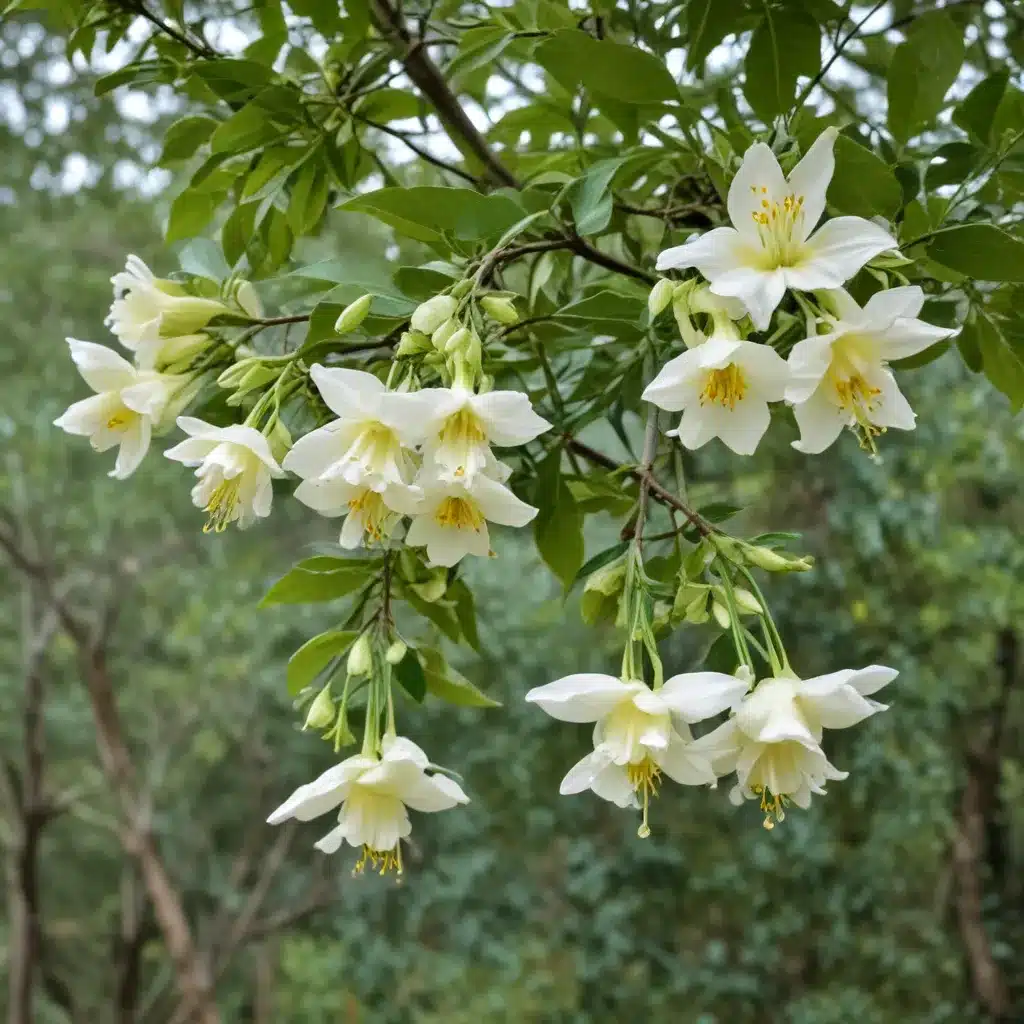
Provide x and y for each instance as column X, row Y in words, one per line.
column 773, row 741
column 370, row 441
column 451, row 520
column 149, row 313
column 772, row 244
column 127, row 404
column 235, row 471
column 374, row 794
column 722, row 386
column 639, row 733
column 842, row 378
column 462, row 425
column 371, row 513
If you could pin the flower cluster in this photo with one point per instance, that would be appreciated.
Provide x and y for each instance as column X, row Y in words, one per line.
column 838, row 376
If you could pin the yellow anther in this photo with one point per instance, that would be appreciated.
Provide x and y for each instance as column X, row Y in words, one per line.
column 857, row 397
column 119, row 419
column 460, row 513
column 726, row 386
column 773, row 806
column 220, row 508
column 381, row 861
column 644, row 777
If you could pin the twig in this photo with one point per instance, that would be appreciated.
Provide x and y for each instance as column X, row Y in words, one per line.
column 646, row 462
column 423, row 154
column 200, row 49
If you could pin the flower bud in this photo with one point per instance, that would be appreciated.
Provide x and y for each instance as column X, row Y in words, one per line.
column 321, row 712
column 439, row 338
column 746, row 602
column 360, row 657
column 721, row 614
column 395, row 653
column 429, row 315
column 660, row 297
column 697, row 610
column 500, row 309
column 353, row 315
column 412, row 343
column 461, row 288
column 607, row 580
column 773, row 561
column 230, row 377
column 458, row 342
column 247, row 297
column 687, row 595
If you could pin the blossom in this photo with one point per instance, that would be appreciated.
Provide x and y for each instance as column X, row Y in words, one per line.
column 841, row 378
column 451, row 520
column 462, row 424
column 127, row 404
column 148, row 310
column 374, row 793
column 772, row 244
column 235, row 471
column 429, row 315
column 636, row 738
column 371, row 513
column 773, row 741
column 722, row 386
column 368, row 442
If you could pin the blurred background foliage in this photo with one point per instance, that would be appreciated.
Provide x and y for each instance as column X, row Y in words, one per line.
column 524, row 906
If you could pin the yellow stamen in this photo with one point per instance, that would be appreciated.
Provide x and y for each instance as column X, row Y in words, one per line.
column 857, row 397
column 644, row 777
column 726, row 386
column 462, row 431
column 381, row 861
column 119, row 419
column 221, row 506
column 773, row 805
column 460, row 513
column 779, row 227
column 370, row 507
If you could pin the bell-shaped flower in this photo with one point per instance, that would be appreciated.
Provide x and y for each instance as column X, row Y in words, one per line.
column 842, row 378
column 371, row 513
column 148, row 310
column 127, row 405
column 235, row 471
column 374, row 794
column 452, row 517
column 462, row 425
column 772, row 244
column 639, row 733
column 370, row 440
column 773, row 741
column 722, row 386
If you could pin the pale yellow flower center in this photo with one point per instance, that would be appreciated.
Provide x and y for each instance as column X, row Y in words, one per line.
column 644, row 777
column 772, row 804
column 725, row 387
column 860, row 399
column 459, row 513
column 778, row 227
column 460, row 432
column 221, row 506
column 370, row 507
column 118, row 420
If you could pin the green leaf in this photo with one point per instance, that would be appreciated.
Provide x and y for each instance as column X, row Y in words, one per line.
column 863, row 184
column 590, row 198
column 450, row 685
column 246, row 129
column 308, row 197
column 929, row 355
column 385, row 105
column 301, row 586
column 465, row 612
column 233, row 80
column 1002, row 360
column 425, row 212
column 922, row 70
column 708, row 23
column 981, row 251
column 190, row 213
column 786, row 45
column 558, row 528
column 977, row 111
column 409, row 672
column 184, row 137
column 314, row 656
column 477, row 47
column 624, row 73
column 969, row 347
column 601, row 559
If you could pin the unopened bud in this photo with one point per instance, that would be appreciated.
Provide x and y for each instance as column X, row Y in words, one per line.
column 461, row 288
column 395, row 653
column 429, row 315
column 697, row 610
column 412, row 343
column 500, row 309
column 439, row 337
column 721, row 614
column 353, row 315
column 746, row 602
column 660, row 297
column 458, row 342
column 280, row 439
column 360, row 657
column 773, row 561
column 321, row 712
column 247, row 297
column 234, row 373
column 607, row 580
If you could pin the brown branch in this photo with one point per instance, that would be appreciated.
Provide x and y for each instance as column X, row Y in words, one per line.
column 198, row 49
column 422, row 153
column 427, row 77
column 130, row 942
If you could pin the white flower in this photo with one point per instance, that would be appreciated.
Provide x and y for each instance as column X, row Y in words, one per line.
column 368, row 442
column 462, row 424
column 771, row 246
column 235, row 470
column 723, row 387
column 374, row 793
column 773, row 742
column 842, row 378
column 371, row 513
column 451, row 521
column 429, row 315
column 148, row 313
column 127, row 405
column 636, row 737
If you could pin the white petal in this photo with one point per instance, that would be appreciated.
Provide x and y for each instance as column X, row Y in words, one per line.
column 676, row 384
column 581, row 775
column 499, row 504
column 742, row 427
column 331, row 842
column 767, row 371
column 401, row 748
column 101, row 367
column 323, row 793
column 314, row 453
column 871, row 679
column 582, row 697
column 809, row 361
column 695, row 428
column 328, row 497
column 685, row 764
column 908, row 337
column 721, row 746
column 134, row 445
column 508, row 418
column 837, row 250
column 760, row 290
column 810, row 178
column 713, row 253
column 892, row 410
column 89, row 415
column 432, row 793
column 759, row 179
column 820, row 422
column 695, row 696
column 348, row 393
column 891, row 304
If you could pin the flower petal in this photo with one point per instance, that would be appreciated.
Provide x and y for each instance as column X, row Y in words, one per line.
column 809, row 361
column 712, row 253
column 101, row 367
column 820, row 422
column 760, row 290
column 677, row 382
column 508, row 417
column 759, row 180
column 582, row 697
column 836, row 251
column 892, row 408
column 695, row 696
column 685, row 763
column 887, row 306
column 134, row 445
column 809, row 180
column 499, row 504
